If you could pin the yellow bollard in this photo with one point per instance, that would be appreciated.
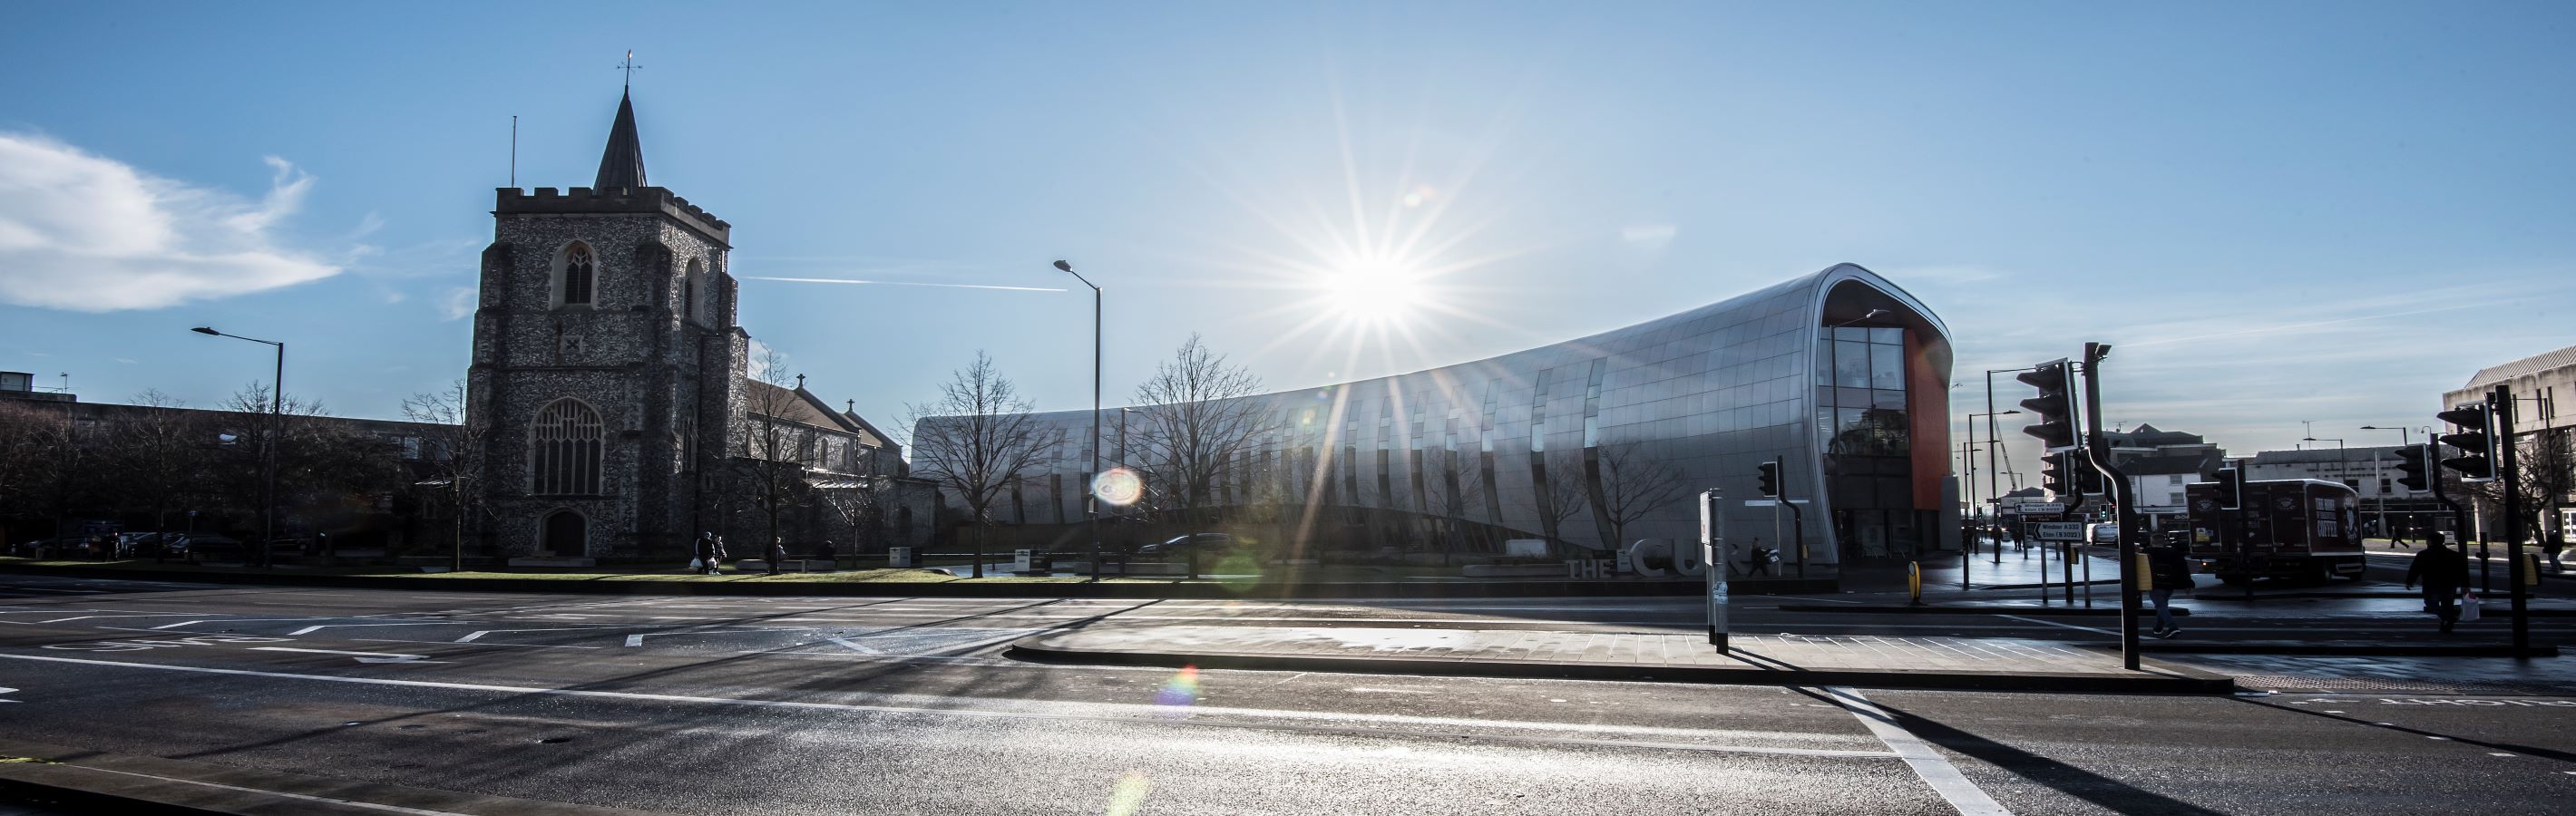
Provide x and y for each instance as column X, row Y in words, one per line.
column 2146, row 575
column 1914, row 581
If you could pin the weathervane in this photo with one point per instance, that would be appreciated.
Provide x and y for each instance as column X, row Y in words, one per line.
column 629, row 67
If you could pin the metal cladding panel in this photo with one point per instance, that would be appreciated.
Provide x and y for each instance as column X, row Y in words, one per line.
column 1713, row 391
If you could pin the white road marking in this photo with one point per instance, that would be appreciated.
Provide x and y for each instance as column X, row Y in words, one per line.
column 266, row 792
column 337, row 652
column 856, row 647
column 1926, row 761
column 312, row 629
column 1123, row 713
column 2062, row 625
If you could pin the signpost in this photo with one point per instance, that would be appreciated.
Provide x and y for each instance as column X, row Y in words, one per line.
column 1713, row 560
column 2061, row 531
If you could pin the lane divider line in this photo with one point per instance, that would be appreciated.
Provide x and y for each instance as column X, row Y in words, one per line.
column 266, row 792
column 1335, row 723
column 1926, row 761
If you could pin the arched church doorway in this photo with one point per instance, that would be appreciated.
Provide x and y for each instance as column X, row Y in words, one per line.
column 565, row 535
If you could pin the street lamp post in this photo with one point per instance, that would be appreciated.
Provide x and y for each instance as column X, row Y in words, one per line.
column 2404, row 439
column 268, row 452
column 1091, row 501
column 1994, row 520
column 1991, row 488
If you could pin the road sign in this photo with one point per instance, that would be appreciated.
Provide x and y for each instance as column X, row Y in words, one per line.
column 2061, row 531
column 2039, row 509
column 1770, row 502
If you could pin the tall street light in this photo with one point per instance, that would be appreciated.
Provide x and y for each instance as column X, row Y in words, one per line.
column 1994, row 520
column 268, row 452
column 1992, row 439
column 2405, row 438
column 1091, row 499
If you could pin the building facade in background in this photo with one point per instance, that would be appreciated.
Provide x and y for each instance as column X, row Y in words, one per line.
column 617, row 394
column 2545, row 430
column 1839, row 375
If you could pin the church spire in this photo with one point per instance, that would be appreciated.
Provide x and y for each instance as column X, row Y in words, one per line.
column 622, row 166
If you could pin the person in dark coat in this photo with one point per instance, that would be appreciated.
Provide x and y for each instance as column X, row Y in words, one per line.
column 777, row 553
column 2556, row 544
column 829, row 554
column 2167, row 566
column 706, row 553
column 2443, row 572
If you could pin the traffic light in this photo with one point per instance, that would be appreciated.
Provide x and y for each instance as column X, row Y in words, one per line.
column 2055, row 405
column 2053, row 476
column 2415, row 461
column 2231, row 488
column 2476, row 462
column 1770, row 478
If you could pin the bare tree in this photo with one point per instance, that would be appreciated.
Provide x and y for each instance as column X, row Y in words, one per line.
column 1634, row 483
column 777, row 448
column 33, row 453
column 858, row 505
column 453, row 452
column 157, row 454
column 326, row 471
column 1451, row 493
column 1562, row 495
column 975, row 440
column 1195, row 420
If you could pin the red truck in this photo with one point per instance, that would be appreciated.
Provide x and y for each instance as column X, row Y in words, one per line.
column 2301, row 529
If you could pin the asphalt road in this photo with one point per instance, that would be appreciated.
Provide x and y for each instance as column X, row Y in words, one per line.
column 833, row 705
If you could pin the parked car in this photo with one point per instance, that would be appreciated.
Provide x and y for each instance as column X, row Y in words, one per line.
column 208, row 547
column 1201, row 543
column 2106, row 534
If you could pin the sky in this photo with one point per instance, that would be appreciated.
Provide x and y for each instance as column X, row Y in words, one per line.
column 2284, row 216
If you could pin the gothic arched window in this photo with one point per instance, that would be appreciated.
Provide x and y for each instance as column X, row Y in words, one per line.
column 564, row 450
column 578, row 277
column 693, row 287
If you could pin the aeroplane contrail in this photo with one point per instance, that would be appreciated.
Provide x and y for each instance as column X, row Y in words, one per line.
column 912, row 283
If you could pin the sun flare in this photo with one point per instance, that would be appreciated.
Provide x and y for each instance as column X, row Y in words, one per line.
column 1372, row 292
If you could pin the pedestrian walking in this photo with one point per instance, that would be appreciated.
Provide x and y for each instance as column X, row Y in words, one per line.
column 704, row 551
column 722, row 553
column 777, row 555
column 2443, row 572
column 2168, row 569
column 829, row 554
column 2557, row 543
column 2397, row 536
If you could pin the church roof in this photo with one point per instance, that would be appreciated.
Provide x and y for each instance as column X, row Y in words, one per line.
column 622, row 166
column 794, row 405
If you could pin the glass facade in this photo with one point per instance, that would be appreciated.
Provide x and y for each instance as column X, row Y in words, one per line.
column 1839, row 373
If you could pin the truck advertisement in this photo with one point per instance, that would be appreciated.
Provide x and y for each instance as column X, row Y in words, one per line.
column 2304, row 530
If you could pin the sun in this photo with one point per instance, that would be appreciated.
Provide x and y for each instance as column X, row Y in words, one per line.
column 1372, row 291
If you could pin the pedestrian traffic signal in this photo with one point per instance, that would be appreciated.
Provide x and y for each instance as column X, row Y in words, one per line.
column 2055, row 478
column 2231, row 488
column 2415, row 461
column 2055, row 405
column 2471, row 433
column 1770, row 472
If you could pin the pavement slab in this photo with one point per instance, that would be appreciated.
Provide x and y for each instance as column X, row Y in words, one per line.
column 1786, row 659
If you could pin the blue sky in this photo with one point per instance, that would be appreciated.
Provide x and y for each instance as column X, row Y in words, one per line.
column 2278, row 211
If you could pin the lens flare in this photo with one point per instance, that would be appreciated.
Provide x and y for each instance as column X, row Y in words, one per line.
column 1129, row 797
column 1118, row 486
column 1181, row 690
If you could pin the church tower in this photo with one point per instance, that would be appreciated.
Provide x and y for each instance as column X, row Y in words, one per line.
column 606, row 364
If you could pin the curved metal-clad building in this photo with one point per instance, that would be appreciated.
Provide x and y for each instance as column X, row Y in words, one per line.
column 1840, row 374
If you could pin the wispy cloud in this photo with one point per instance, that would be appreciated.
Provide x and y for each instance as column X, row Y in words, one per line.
column 458, row 303
column 87, row 233
column 909, row 283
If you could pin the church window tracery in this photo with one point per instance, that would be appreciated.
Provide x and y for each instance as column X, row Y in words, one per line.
column 578, row 276
column 564, row 447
